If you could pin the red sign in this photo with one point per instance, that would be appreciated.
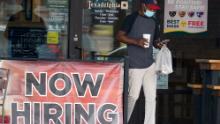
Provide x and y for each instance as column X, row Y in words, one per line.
column 41, row 92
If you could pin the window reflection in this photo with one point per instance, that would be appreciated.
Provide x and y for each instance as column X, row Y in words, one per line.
column 33, row 29
column 100, row 23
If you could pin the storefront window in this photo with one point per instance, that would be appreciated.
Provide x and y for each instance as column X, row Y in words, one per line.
column 33, row 29
column 101, row 21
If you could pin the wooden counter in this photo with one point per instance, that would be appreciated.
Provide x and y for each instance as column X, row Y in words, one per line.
column 209, row 64
column 213, row 87
column 195, row 86
column 210, row 95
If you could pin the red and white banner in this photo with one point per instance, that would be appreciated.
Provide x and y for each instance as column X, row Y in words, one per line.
column 41, row 92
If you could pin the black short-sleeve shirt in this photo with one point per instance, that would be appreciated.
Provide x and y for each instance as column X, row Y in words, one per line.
column 135, row 26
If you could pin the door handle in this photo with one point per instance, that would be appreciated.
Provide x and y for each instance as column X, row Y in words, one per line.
column 75, row 38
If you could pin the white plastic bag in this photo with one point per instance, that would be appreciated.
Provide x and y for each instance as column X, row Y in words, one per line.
column 164, row 61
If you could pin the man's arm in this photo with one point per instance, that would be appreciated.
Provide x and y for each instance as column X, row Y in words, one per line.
column 158, row 43
column 122, row 37
column 122, row 34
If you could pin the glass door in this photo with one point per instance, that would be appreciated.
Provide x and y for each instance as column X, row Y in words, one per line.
column 101, row 19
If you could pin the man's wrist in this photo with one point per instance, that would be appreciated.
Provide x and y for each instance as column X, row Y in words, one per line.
column 133, row 41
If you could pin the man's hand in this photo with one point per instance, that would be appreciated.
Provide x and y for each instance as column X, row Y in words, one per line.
column 163, row 42
column 143, row 42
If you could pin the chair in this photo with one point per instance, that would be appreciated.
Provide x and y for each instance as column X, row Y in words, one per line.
column 4, row 74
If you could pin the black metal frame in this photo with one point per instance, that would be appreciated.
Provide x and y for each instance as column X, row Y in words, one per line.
column 125, row 93
column 75, row 29
column 28, row 9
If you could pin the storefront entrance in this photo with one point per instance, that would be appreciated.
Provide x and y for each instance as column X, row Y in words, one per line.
column 85, row 30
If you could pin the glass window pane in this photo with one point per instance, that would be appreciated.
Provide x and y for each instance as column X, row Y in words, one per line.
column 101, row 21
column 33, row 29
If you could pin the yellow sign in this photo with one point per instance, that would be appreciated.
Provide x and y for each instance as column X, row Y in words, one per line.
column 52, row 38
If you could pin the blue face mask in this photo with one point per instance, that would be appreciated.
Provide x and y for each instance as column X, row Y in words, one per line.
column 149, row 13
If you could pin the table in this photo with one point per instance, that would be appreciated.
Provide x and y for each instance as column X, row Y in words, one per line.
column 210, row 91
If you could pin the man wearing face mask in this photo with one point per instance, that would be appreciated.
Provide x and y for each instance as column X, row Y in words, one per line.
column 140, row 51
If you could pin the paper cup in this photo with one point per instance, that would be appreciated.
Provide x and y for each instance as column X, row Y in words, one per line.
column 147, row 36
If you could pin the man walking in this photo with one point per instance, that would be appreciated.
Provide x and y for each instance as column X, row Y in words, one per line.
column 140, row 31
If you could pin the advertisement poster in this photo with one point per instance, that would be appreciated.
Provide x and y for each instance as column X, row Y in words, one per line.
column 41, row 92
column 58, row 17
column 186, row 16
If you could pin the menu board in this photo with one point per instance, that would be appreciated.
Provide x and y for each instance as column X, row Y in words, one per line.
column 25, row 41
column 188, row 16
column 106, row 11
